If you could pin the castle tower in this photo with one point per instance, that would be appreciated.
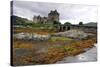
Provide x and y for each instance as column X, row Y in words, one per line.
column 37, row 19
column 53, row 16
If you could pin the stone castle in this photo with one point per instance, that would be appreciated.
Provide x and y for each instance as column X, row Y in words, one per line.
column 52, row 16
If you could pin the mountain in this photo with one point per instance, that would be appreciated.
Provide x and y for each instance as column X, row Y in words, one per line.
column 92, row 24
column 15, row 20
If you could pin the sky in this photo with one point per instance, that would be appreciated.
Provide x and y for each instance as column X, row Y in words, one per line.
column 73, row 13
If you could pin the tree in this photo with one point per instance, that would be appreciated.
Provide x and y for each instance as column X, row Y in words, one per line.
column 67, row 23
column 80, row 23
column 56, row 22
column 56, row 25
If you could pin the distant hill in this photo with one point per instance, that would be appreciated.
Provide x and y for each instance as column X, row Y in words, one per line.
column 19, row 20
column 93, row 24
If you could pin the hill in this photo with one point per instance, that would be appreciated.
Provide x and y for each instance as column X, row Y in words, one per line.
column 93, row 24
column 19, row 20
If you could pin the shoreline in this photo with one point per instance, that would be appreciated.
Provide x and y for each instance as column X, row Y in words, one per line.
column 57, row 55
column 88, row 56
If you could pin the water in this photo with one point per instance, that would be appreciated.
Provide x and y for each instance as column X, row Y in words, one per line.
column 88, row 56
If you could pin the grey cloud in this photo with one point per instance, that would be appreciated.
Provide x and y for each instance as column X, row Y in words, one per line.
column 67, row 11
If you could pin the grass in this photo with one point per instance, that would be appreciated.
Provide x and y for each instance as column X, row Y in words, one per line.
column 38, row 26
column 69, row 48
column 33, row 30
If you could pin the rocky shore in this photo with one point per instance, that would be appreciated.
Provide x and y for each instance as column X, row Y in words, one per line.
column 48, row 49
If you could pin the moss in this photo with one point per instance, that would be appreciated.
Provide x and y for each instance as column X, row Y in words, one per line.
column 55, row 39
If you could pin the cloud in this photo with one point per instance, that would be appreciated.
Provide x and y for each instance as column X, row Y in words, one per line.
column 28, row 9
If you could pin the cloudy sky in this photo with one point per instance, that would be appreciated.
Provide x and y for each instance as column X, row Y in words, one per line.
column 68, row 12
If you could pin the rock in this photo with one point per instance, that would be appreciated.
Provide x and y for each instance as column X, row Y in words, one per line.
column 73, row 34
column 40, row 37
column 28, row 36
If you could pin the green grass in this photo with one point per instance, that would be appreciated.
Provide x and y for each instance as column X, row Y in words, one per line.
column 42, row 26
column 54, row 39
column 69, row 49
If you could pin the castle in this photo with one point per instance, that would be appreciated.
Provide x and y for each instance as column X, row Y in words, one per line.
column 52, row 16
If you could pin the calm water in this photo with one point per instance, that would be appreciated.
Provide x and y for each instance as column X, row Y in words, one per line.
column 90, row 55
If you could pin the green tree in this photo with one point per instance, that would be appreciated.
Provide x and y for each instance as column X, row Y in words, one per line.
column 56, row 25
column 80, row 23
column 67, row 23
